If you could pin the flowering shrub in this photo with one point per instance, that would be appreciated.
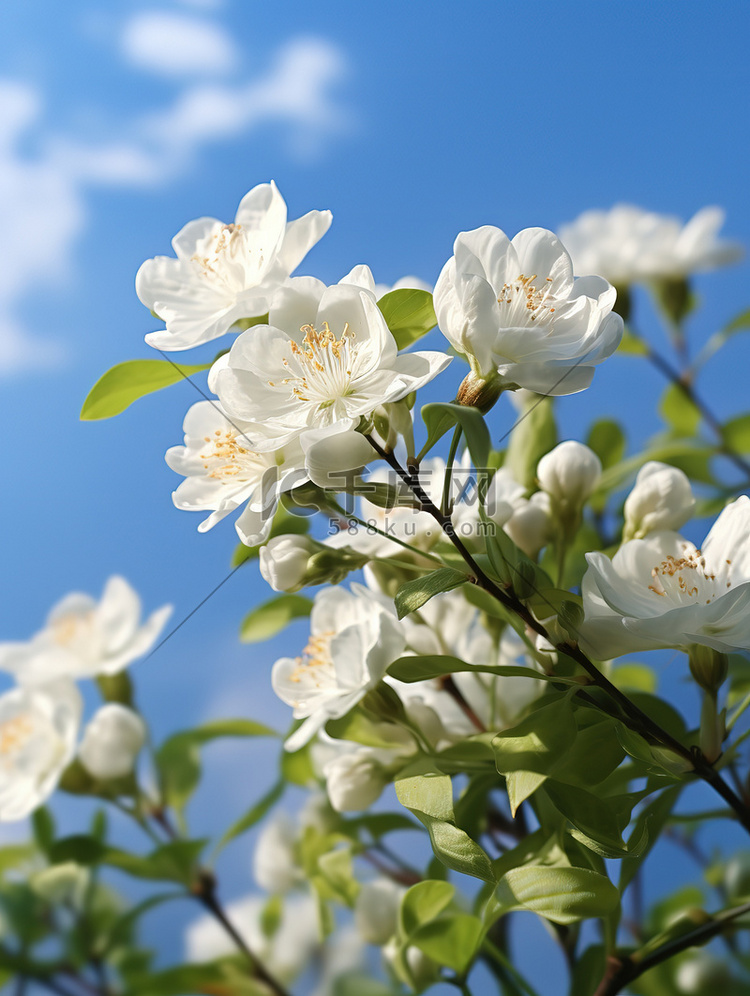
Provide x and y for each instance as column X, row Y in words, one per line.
column 471, row 745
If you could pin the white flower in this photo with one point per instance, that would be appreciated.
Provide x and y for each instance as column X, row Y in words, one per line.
column 335, row 456
column 38, row 730
column 284, row 559
column 112, row 741
column 226, row 272
column 661, row 499
column 514, row 309
column 531, row 525
column 627, row 244
column 663, row 592
column 353, row 639
column 376, row 910
column 84, row 638
column 274, row 862
column 404, row 283
column 569, row 473
column 355, row 780
column 286, row 953
column 222, row 472
column 326, row 359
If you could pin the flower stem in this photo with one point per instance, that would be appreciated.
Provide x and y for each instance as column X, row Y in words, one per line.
column 633, row 717
column 445, row 504
column 624, row 970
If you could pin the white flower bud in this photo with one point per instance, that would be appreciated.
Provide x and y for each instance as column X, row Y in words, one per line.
column 335, row 458
column 62, row 884
column 569, row 473
column 530, row 525
column 284, row 559
column 111, row 742
column 503, row 496
column 274, row 864
column 354, row 781
column 703, row 973
column 661, row 499
column 376, row 910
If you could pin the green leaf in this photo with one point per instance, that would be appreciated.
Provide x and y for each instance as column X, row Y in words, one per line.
column 412, row 595
column 408, row 313
column 632, row 345
column 651, row 820
column 81, row 848
column 736, row 433
column 429, row 795
column 43, row 824
column 254, row 815
column 600, row 821
column 119, row 387
column 273, row 616
column 423, row 902
column 607, row 440
column 439, row 417
column 679, row 411
column 173, row 862
column 452, row 940
column 534, row 434
column 178, row 758
column 562, row 895
column 425, row 667
column 538, row 742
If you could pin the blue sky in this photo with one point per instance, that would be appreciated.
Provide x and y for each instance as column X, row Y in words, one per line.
column 411, row 122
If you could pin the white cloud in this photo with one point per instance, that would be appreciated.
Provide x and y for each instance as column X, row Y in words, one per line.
column 43, row 195
column 174, row 44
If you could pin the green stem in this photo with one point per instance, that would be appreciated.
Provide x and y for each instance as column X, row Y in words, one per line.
column 624, row 970
column 394, row 539
column 445, row 504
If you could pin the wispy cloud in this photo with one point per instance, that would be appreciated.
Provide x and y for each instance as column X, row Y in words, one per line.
column 47, row 190
column 176, row 44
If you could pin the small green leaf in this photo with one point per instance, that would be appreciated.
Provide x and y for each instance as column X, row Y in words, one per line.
column 562, row 895
column 439, row 417
column 413, row 594
column 425, row 667
column 632, row 345
column 173, row 862
column 119, row 387
column 534, row 434
column 452, row 940
column 422, row 903
column 679, row 412
column 82, row 849
column 43, row 824
column 178, row 758
column 539, row 741
column 254, row 815
column 408, row 313
column 736, row 433
column 273, row 616
column 607, row 440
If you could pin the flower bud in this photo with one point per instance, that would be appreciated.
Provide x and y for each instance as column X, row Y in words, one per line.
column 376, row 910
column 274, row 865
column 63, row 884
column 291, row 562
column 661, row 499
column 355, row 780
column 530, row 526
column 335, row 458
column 703, row 973
column 569, row 474
column 504, row 495
column 111, row 742
column 708, row 667
column 479, row 392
